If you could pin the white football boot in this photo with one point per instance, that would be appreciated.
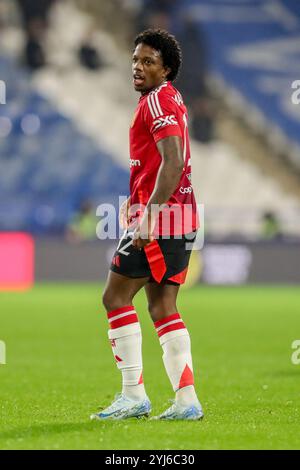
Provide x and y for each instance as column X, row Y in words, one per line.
column 123, row 408
column 179, row 412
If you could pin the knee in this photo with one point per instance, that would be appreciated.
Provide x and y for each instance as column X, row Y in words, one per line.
column 159, row 311
column 112, row 300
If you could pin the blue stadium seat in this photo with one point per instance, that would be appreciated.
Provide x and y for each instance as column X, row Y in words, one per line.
column 254, row 48
column 44, row 177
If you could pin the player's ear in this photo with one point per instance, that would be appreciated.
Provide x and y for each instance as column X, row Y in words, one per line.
column 167, row 71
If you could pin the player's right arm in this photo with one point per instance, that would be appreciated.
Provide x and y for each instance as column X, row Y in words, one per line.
column 124, row 214
column 161, row 117
column 170, row 149
column 167, row 181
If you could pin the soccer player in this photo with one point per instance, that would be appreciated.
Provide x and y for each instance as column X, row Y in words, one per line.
column 154, row 254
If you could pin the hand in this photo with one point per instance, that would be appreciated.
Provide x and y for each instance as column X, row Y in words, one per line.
column 123, row 214
column 143, row 234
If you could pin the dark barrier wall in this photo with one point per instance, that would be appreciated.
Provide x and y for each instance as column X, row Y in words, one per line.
column 57, row 260
column 251, row 263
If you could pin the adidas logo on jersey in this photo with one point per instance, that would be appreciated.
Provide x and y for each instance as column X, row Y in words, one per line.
column 178, row 99
column 165, row 121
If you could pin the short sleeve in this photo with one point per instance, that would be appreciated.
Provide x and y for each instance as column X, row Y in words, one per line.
column 161, row 116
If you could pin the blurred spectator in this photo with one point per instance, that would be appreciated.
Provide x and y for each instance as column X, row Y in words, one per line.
column 192, row 81
column 35, row 10
column 155, row 13
column 34, row 51
column 89, row 57
column 84, row 224
column 35, row 19
column 271, row 229
column 35, row 14
column 88, row 54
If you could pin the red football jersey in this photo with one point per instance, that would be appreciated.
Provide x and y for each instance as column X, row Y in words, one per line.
column 159, row 114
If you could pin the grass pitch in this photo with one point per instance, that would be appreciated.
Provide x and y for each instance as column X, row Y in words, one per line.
column 60, row 369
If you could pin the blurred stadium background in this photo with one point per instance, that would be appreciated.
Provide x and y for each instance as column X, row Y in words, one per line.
column 64, row 126
column 69, row 102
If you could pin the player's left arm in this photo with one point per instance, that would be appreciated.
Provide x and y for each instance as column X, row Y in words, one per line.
column 170, row 172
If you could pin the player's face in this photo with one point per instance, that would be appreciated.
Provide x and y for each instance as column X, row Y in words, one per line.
column 148, row 69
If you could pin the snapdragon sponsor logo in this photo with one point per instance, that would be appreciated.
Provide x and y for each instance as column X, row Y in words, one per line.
column 296, row 354
column 2, row 92
column 174, row 219
column 2, row 353
column 296, row 94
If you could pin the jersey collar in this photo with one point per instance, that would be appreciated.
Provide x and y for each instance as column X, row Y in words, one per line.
column 153, row 89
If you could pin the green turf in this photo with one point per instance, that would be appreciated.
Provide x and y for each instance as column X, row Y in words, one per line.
column 60, row 369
